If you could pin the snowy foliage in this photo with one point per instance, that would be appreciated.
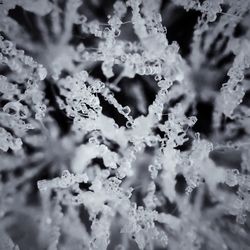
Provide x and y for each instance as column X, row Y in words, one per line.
column 124, row 124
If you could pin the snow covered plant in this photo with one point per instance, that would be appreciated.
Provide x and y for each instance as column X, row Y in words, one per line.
column 124, row 125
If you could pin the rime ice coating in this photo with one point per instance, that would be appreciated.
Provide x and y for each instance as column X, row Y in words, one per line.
column 115, row 136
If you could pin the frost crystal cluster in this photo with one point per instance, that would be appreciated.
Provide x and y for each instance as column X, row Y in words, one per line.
column 124, row 125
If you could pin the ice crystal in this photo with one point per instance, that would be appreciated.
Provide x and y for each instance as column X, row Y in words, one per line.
column 124, row 124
